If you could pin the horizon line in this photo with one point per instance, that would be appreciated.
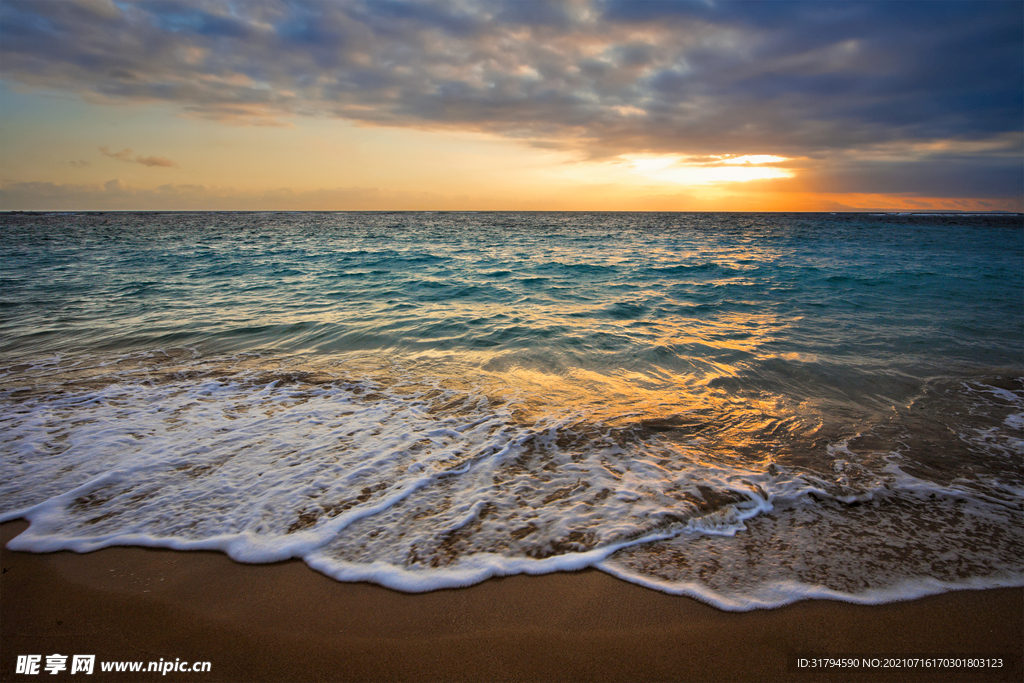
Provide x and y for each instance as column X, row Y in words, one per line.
column 297, row 211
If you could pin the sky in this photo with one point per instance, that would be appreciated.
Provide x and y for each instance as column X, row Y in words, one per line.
column 485, row 105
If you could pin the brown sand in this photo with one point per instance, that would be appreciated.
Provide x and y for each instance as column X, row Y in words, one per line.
column 285, row 622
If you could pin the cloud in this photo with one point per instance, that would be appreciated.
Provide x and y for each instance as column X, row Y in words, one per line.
column 116, row 195
column 123, row 155
column 126, row 156
column 602, row 78
column 154, row 161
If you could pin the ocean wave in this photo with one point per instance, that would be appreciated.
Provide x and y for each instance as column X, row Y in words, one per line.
column 409, row 481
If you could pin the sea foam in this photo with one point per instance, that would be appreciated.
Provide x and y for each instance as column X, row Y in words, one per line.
column 418, row 488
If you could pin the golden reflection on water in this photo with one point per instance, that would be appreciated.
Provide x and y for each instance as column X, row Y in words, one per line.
column 669, row 386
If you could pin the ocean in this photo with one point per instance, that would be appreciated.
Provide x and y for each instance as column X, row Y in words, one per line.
column 750, row 409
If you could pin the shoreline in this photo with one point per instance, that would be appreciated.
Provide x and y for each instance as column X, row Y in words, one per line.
column 286, row 622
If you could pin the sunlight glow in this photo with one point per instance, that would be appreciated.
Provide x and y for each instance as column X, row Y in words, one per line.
column 699, row 171
column 754, row 159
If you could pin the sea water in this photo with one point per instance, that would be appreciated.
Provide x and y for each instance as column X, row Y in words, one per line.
column 747, row 408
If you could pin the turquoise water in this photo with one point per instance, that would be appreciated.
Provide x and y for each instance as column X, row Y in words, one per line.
column 749, row 408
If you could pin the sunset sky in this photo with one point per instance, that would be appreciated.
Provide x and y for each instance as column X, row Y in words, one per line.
column 461, row 105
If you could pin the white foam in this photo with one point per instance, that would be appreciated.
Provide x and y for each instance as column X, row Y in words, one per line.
column 779, row 593
column 425, row 488
column 895, row 547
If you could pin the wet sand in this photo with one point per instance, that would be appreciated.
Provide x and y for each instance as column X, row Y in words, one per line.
column 285, row 622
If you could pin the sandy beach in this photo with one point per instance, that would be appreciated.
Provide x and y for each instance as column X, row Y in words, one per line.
column 285, row 622
column 508, row 340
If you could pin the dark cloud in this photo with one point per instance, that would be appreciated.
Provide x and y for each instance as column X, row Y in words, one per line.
column 177, row 17
column 553, row 14
column 797, row 79
column 940, row 176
